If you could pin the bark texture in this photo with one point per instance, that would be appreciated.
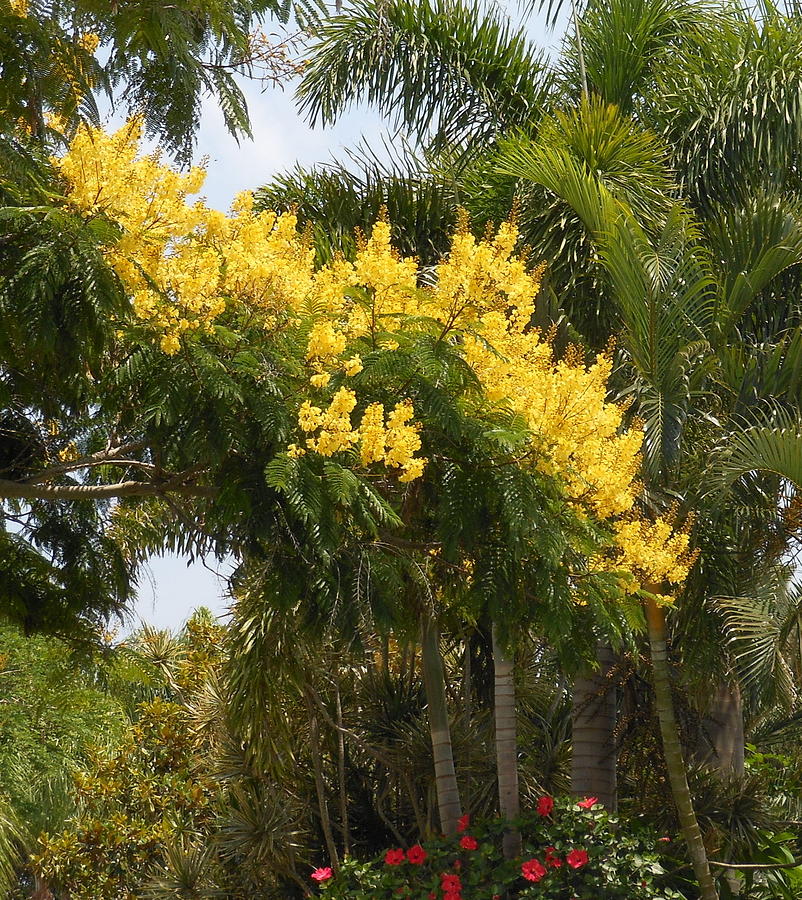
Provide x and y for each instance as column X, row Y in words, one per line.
column 672, row 750
column 506, row 745
column 320, row 789
column 448, row 801
column 594, row 716
column 722, row 741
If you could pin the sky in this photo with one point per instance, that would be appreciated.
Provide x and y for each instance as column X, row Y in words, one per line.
column 170, row 589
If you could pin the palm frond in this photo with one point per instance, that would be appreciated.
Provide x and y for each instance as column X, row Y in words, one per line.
column 337, row 199
column 758, row 628
column 450, row 71
column 728, row 102
column 768, row 441
column 624, row 42
column 754, row 243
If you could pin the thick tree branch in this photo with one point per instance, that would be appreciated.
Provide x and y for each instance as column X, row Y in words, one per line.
column 26, row 491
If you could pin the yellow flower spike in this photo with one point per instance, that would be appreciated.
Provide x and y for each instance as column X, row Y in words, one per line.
column 89, row 42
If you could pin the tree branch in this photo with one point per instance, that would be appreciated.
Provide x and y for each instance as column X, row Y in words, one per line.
column 102, row 457
column 27, row 491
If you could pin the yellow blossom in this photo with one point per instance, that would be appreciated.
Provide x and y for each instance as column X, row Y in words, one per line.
column 89, row 42
column 353, row 366
column 68, row 453
column 170, row 344
column 371, row 433
column 324, row 341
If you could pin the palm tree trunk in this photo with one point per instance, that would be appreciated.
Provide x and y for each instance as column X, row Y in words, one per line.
column 593, row 714
column 448, row 802
column 723, row 743
column 672, row 750
column 506, row 746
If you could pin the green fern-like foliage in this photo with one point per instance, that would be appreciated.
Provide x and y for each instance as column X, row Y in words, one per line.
column 160, row 61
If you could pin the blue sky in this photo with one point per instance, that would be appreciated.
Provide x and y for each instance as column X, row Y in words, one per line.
column 170, row 589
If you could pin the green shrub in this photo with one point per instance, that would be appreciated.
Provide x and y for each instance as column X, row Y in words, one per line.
column 571, row 851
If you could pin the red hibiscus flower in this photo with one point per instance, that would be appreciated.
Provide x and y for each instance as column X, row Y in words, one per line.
column 577, row 858
column 416, row 855
column 533, row 870
column 394, row 857
column 468, row 843
column 321, row 874
column 588, row 802
column 551, row 860
column 450, row 883
column 545, row 805
column 463, row 822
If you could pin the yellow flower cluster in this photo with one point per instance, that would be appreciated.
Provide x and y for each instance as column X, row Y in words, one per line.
column 89, row 42
column 393, row 442
column 181, row 261
column 486, row 288
column 184, row 263
column 655, row 552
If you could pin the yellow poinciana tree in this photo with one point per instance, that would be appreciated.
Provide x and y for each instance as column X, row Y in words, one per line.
column 188, row 269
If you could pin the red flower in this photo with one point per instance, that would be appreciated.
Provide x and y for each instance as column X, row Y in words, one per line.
column 416, row 855
column 551, row 860
column 544, row 806
column 450, row 883
column 468, row 843
column 452, row 895
column 533, row 870
column 394, row 857
column 662, row 839
column 463, row 822
column 321, row 874
column 577, row 858
column 588, row 802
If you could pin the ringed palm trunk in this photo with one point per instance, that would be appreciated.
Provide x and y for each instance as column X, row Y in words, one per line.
column 448, row 802
column 672, row 750
column 723, row 742
column 593, row 717
column 506, row 745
